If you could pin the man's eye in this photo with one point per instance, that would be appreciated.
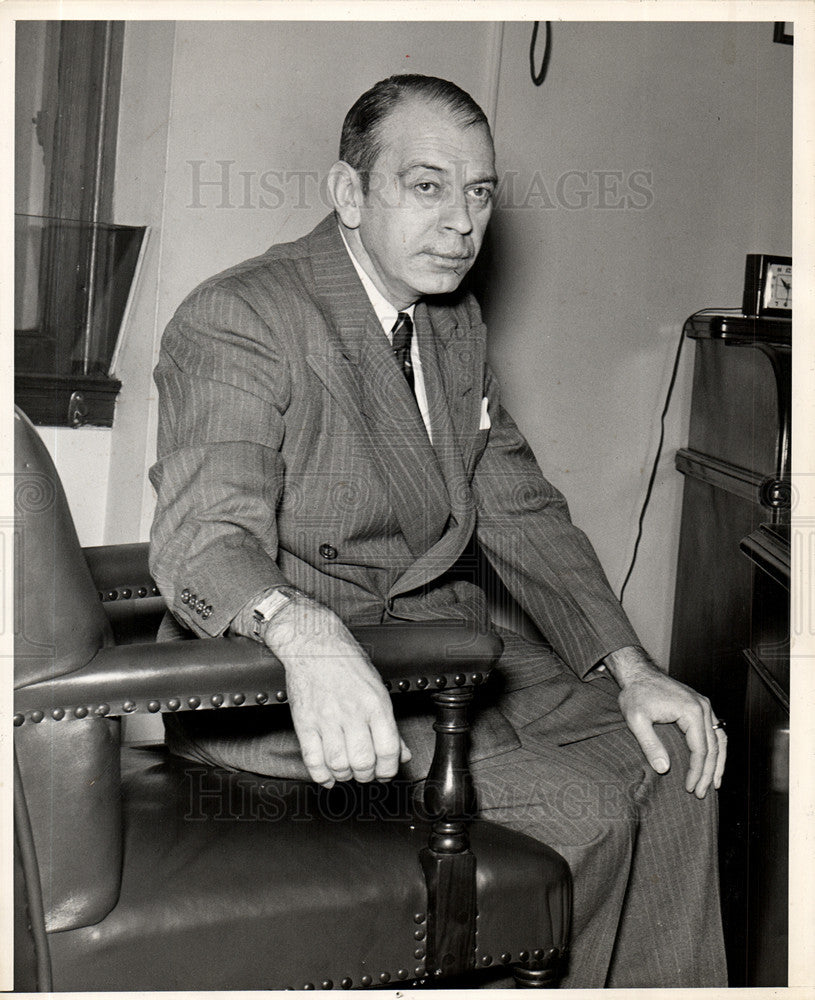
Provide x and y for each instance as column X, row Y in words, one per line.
column 427, row 187
column 483, row 194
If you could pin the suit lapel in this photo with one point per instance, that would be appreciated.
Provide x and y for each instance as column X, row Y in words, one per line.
column 461, row 352
column 358, row 369
column 452, row 363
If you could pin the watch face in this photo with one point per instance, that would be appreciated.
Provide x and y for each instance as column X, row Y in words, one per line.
column 778, row 287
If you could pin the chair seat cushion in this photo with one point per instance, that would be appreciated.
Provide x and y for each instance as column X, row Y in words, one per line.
column 235, row 881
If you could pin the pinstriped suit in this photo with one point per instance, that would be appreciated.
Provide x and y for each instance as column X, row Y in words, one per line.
column 291, row 450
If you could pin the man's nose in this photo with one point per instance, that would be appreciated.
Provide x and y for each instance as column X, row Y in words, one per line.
column 456, row 215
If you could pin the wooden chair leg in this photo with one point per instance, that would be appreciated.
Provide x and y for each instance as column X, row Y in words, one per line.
column 448, row 863
column 544, row 975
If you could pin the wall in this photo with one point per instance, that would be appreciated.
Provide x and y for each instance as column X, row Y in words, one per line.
column 585, row 305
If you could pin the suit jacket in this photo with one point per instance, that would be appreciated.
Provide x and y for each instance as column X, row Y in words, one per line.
column 290, row 449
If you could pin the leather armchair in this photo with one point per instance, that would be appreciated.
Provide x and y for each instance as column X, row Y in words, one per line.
column 135, row 870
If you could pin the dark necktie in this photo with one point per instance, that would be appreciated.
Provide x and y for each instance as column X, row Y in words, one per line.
column 402, row 334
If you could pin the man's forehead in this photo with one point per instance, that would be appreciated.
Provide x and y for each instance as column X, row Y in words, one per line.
column 425, row 133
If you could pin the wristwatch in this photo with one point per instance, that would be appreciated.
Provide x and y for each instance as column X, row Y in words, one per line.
column 272, row 605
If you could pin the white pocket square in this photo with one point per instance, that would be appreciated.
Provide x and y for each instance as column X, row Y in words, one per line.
column 484, row 423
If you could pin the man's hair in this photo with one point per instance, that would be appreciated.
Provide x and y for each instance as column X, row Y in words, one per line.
column 361, row 138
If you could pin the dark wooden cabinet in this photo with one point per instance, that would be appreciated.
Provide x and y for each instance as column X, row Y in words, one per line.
column 768, row 734
column 731, row 619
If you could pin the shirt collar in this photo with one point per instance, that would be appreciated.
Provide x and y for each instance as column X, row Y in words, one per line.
column 385, row 312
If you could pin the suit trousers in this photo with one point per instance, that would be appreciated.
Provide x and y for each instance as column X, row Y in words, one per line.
column 642, row 851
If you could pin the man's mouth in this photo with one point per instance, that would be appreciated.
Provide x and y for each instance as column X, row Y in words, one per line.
column 448, row 259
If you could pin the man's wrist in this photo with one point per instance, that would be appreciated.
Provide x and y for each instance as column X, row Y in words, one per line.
column 629, row 664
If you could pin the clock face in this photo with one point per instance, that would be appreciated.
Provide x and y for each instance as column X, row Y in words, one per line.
column 778, row 287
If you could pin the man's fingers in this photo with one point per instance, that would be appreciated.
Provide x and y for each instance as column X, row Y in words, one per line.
column 362, row 754
column 696, row 738
column 721, row 737
column 387, row 744
column 404, row 752
column 651, row 745
column 311, row 748
column 335, row 753
column 712, row 755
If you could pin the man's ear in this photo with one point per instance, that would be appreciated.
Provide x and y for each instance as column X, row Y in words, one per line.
column 345, row 191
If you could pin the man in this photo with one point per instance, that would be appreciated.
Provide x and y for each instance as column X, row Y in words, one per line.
column 330, row 442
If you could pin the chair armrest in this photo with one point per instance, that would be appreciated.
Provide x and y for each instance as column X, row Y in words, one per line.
column 211, row 673
column 121, row 571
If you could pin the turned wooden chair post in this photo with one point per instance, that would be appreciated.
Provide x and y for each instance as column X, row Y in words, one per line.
column 449, row 865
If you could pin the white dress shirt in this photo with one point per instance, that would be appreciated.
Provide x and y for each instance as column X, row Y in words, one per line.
column 386, row 314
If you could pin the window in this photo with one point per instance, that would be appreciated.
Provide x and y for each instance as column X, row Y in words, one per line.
column 73, row 267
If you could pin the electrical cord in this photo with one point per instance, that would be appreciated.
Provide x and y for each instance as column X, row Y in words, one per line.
column 652, row 479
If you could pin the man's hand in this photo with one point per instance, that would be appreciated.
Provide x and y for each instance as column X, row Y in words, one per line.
column 341, row 711
column 648, row 696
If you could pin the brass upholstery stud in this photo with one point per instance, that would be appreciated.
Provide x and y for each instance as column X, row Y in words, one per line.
column 346, row 983
column 421, row 683
column 523, row 955
column 153, row 706
column 127, row 592
column 419, row 918
column 402, row 974
column 418, row 953
column 18, row 719
column 261, row 697
column 174, row 704
column 506, row 958
column 326, row 984
column 419, row 933
column 477, row 678
column 155, row 591
column 384, row 977
column 80, row 711
column 441, row 682
column 537, row 954
column 460, row 679
column 238, row 699
column 142, row 592
column 309, row 986
column 102, row 709
column 280, row 695
column 216, row 700
column 112, row 595
column 194, row 702
column 388, row 686
column 419, row 971
column 486, row 959
column 58, row 713
column 403, row 685
column 366, row 980
column 129, row 706
column 37, row 716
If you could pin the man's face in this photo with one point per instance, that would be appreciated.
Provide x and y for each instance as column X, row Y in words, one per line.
column 430, row 198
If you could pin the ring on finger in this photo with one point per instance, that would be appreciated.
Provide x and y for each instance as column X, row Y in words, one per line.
column 721, row 724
